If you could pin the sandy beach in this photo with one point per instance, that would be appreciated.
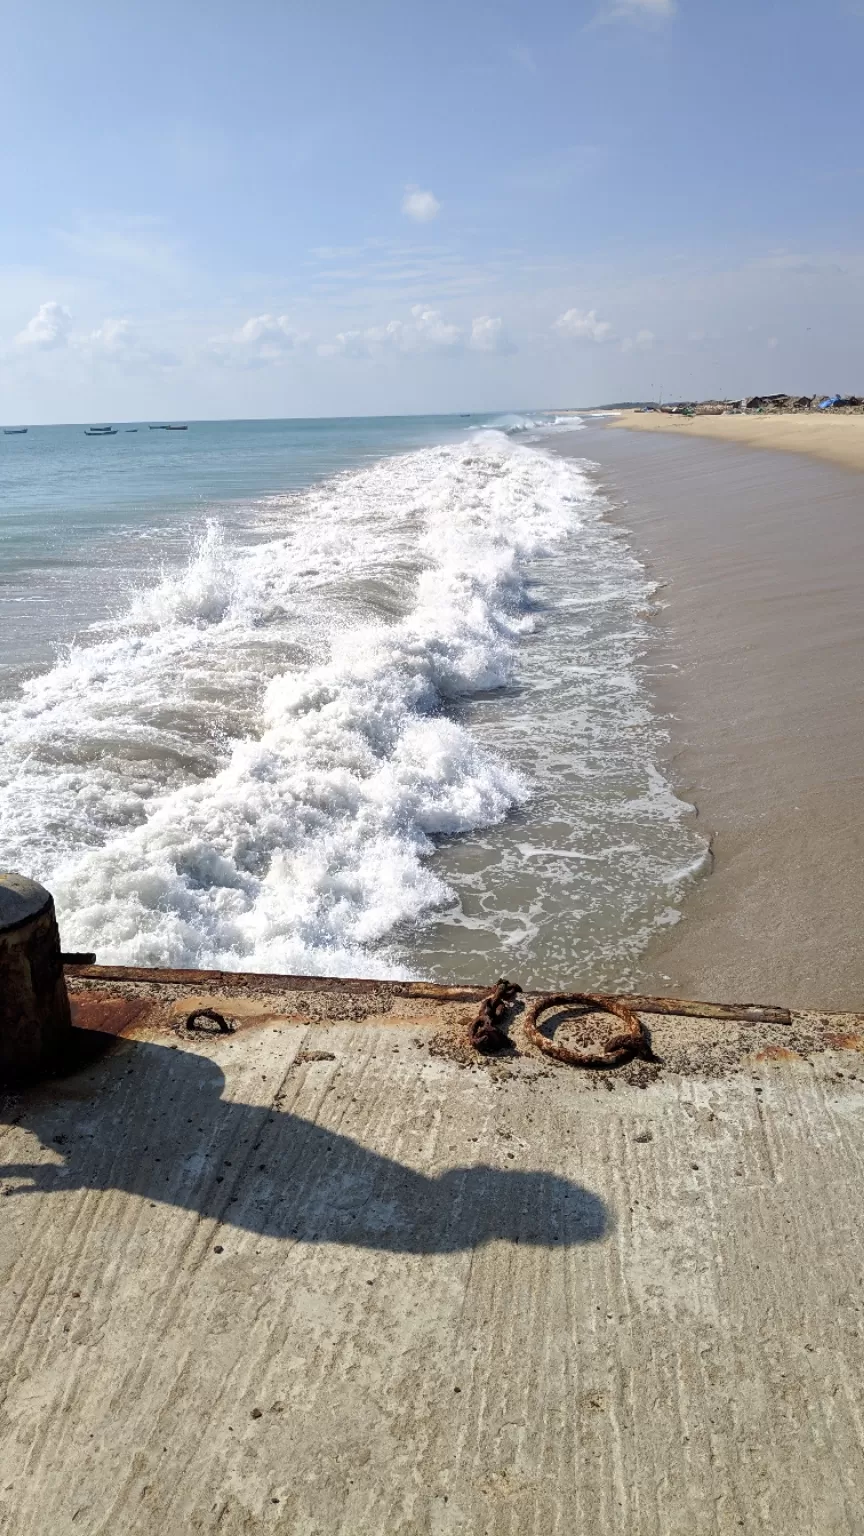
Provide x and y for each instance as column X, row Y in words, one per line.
column 758, row 667
column 839, row 439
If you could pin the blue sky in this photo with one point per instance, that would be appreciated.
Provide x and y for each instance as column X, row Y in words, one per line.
column 349, row 208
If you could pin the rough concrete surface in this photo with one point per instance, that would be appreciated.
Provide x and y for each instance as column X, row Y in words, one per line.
column 321, row 1278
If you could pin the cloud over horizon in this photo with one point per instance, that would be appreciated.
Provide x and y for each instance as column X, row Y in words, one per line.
column 488, row 335
column 114, row 341
column 583, row 325
column 119, row 341
column 426, row 331
column 261, row 340
column 643, row 341
column 50, row 327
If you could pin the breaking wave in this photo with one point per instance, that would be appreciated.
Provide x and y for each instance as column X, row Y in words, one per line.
column 249, row 767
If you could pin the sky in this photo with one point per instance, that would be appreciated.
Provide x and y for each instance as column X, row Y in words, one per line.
column 325, row 207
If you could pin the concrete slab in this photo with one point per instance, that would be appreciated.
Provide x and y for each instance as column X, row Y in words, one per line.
column 327, row 1274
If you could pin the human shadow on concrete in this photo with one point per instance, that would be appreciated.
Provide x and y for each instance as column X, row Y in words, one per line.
column 151, row 1121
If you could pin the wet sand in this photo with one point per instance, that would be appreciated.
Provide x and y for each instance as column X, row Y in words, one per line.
column 759, row 665
column 839, row 439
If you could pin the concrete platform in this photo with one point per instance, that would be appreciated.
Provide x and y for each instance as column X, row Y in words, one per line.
column 329, row 1273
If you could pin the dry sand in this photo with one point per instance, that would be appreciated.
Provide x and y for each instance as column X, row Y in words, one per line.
column 839, row 439
column 759, row 665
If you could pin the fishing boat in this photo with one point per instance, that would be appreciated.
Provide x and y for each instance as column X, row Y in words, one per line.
column 100, row 431
column 176, row 429
column 14, row 431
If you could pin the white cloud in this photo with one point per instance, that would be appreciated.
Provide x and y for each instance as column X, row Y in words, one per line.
column 347, row 344
column 657, row 10
column 261, row 340
column 114, row 337
column 643, row 341
column 115, row 341
column 49, row 328
column 583, row 325
column 118, row 341
column 420, row 206
column 488, row 335
column 426, row 331
column 267, row 331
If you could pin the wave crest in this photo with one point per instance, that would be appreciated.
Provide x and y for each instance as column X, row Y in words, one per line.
column 201, row 803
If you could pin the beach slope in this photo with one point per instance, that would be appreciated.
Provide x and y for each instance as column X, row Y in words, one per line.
column 757, row 669
column 839, row 439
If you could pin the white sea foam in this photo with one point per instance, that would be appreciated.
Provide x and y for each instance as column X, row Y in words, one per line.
column 249, row 769
column 535, row 425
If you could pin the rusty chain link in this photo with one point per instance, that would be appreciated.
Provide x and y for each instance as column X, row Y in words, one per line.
column 486, row 1034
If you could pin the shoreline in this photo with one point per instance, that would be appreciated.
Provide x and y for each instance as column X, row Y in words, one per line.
column 759, row 646
column 833, row 439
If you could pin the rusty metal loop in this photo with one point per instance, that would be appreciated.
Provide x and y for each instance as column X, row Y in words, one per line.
column 226, row 1026
column 619, row 1048
column 485, row 1032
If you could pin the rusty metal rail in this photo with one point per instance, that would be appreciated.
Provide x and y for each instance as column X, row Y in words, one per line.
column 237, row 982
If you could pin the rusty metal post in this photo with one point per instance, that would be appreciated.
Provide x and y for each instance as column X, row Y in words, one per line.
column 35, row 1026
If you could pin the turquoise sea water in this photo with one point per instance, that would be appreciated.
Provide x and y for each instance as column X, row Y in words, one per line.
column 345, row 697
column 82, row 516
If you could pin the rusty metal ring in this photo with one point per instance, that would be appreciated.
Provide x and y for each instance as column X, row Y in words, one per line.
column 226, row 1026
column 619, row 1048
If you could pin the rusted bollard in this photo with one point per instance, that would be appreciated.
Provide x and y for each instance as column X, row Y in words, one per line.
column 35, row 1026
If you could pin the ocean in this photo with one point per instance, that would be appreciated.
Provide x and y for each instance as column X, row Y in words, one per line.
column 350, row 697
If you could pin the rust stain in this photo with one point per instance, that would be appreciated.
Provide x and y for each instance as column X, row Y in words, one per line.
column 239, row 1013
column 113, row 1014
column 849, row 1042
column 776, row 1053
column 108, row 1015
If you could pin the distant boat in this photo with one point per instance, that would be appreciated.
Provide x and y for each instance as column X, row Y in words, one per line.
column 176, row 429
column 100, row 431
column 130, row 429
column 13, row 431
